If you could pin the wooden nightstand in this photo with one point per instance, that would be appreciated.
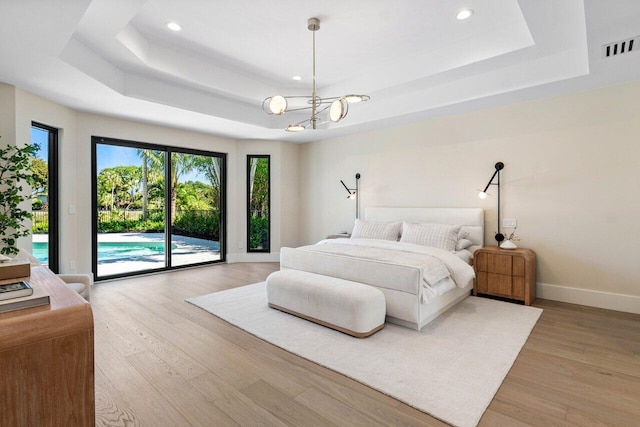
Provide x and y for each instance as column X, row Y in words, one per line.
column 508, row 273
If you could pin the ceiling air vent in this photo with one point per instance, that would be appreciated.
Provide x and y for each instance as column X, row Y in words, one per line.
column 618, row 48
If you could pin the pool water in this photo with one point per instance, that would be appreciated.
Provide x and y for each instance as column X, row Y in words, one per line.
column 111, row 251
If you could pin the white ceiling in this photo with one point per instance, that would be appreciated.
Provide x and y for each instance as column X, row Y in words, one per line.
column 415, row 60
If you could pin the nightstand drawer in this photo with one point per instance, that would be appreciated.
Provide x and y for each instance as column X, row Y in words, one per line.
column 495, row 263
column 518, row 266
column 499, row 284
column 518, row 287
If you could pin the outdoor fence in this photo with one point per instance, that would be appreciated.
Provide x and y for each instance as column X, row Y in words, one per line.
column 40, row 222
column 195, row 223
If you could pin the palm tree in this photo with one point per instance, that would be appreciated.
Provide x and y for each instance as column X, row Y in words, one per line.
column 210, row 167
column 180, row 164
column 144, row 155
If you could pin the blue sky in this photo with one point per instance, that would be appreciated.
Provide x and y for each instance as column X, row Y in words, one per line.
column 109, row 156
column 40, row 137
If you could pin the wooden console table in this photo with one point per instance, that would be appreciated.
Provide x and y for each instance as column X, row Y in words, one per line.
column 46, row 359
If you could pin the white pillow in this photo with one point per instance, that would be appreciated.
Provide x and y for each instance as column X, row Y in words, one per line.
column 465, row 255
column 442, row 236
column 376, row 230
column 463, row 244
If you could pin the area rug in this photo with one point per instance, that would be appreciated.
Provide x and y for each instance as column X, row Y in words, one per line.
column 450, row 370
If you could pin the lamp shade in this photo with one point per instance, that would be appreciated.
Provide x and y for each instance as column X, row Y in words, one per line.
column 338, row 110
column 294, row 128
column 278, row 104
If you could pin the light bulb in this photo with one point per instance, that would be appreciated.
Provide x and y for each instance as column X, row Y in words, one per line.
column 353, row 98
column 278, row 105
column 482, row 195
column 338, row 110
column 294, row 128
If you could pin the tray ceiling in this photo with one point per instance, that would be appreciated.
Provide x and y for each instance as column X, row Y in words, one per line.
column 414, row 58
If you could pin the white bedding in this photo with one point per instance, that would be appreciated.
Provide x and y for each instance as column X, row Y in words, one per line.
column 442, row 271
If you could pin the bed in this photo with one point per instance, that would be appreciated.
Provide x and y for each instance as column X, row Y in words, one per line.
column 419, row 282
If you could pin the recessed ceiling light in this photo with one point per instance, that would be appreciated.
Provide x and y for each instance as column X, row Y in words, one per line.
column 297, row 78
column 464, row 14
column 174, row 26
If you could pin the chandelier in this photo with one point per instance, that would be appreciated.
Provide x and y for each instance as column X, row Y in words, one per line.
column 338, row 106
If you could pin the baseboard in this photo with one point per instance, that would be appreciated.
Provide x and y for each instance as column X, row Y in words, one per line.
column 256, row 257
column 608, row 300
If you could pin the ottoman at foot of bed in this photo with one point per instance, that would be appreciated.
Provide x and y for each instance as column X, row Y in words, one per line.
column 350, row 307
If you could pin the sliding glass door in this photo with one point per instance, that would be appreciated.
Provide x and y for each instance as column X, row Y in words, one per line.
column 156, row 207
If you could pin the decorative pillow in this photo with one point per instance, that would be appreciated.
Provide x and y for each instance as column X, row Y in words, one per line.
column 463, row 234
column 376, row 230
column 465, row 255
column 463, row 244
column 442, row 236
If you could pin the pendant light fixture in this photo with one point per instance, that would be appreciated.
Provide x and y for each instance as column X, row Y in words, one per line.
column 337, row 106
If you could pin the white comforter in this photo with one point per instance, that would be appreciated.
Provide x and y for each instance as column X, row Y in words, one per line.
column 436, row 264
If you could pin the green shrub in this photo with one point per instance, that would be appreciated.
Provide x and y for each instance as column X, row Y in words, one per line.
column 259, row 232
column 201, row 224
column 130, row 226
column 40, row 228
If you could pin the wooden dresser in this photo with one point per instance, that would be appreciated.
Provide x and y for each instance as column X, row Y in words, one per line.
column 508, row 273
column 46, row 359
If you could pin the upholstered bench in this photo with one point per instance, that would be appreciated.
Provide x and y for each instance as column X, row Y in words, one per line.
column 350, row 307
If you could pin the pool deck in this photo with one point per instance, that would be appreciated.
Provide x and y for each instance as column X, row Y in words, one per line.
column 190, row 250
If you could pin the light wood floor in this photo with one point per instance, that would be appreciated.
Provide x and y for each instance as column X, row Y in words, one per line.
column 163, row 362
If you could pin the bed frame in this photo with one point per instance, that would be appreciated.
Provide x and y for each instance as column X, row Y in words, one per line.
column 402, row 308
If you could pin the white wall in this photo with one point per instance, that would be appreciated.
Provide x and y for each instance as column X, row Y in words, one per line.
column 571, row 180
column 7, row 115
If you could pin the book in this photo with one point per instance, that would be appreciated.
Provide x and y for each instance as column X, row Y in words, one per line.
column 15, row 290
column 38, row 297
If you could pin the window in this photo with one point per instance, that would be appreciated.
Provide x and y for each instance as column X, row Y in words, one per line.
column 156, row 207
column 258, row 203
column 44, row 196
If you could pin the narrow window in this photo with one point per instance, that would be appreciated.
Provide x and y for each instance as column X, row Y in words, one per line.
column 44, row 196
column 258, row 203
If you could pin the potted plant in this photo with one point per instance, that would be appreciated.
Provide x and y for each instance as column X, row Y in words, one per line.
column 15, row 171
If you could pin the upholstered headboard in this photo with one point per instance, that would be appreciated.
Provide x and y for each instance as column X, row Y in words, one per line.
column 471, row 219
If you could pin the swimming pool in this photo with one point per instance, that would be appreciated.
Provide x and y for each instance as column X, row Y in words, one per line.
column 111, row 251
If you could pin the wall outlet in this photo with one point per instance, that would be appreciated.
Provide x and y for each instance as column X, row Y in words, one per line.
column 72, row 209
column 72, row 265
column 509, row 223
column 240, row 245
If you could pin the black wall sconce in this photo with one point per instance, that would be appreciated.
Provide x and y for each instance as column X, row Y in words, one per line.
column 483, row 195
column 353, row 193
